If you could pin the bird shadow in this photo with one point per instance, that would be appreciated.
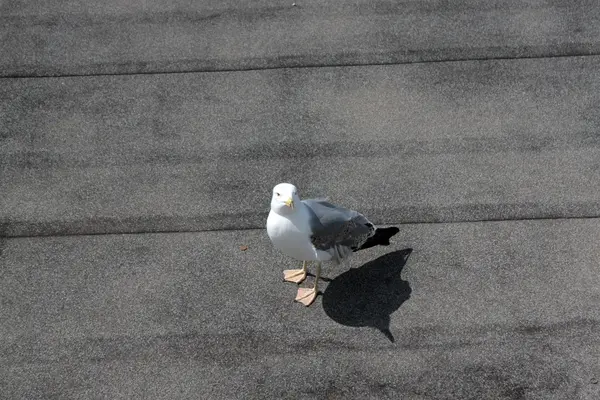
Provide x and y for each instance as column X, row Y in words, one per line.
column 368, row 295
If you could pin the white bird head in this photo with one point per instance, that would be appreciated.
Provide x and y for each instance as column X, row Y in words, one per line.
column 285, row 198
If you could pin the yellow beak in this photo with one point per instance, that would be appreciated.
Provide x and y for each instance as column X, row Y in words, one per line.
column 290, row 203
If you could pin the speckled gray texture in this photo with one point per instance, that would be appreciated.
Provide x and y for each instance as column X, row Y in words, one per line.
column 505, row 310
column 406, row 143
column 477, row 310
column 50, row 37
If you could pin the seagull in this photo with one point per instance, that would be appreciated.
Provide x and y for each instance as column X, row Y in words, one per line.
column 317, row 231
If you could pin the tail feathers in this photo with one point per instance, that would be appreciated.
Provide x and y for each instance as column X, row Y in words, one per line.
column 380, row 238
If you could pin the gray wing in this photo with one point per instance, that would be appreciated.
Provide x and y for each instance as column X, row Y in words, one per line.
column 336, row 228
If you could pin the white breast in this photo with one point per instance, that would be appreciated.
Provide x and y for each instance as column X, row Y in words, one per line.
column 291, row 235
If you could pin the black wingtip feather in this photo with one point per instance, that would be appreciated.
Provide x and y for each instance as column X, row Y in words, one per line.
column 380, row 238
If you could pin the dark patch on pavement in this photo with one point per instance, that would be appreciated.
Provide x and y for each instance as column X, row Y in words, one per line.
column 368, row 295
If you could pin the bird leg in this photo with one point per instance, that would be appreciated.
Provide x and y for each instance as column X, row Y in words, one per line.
column 306, row 296
column 295, row 275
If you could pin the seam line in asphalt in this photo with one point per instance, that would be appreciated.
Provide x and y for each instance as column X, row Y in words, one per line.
column 350, row 65
column 262, row 229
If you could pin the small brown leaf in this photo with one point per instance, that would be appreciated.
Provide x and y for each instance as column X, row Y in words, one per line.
column 243, row 248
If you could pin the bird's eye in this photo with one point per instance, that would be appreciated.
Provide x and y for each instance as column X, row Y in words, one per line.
column 277, row 194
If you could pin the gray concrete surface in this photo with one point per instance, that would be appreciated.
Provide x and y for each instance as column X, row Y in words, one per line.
column 93, row 306
column 406, row 143
column 53, row 38
column 503, row 310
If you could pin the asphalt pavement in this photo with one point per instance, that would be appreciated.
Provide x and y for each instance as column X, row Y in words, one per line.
column 486, row 310
column 55, row 38
column 139, row 143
